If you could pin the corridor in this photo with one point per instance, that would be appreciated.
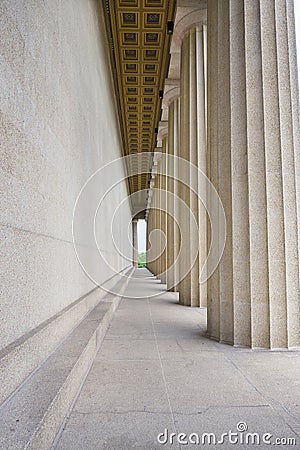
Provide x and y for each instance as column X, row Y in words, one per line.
column 183, row 114
column 156, row 370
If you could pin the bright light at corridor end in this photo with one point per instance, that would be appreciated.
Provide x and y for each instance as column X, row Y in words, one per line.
column 91, row 215
column 142, row 236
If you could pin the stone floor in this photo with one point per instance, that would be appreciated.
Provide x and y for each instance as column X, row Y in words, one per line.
column 157, row 371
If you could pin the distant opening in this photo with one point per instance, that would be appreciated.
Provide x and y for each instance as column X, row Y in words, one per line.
column 141, row 230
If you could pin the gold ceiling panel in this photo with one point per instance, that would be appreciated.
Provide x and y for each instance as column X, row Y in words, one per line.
column 137, row 31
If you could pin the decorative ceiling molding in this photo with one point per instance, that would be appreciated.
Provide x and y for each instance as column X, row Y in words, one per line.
column 139, row 44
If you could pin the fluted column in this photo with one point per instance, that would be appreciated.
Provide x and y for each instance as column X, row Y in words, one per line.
column 293, row 68
column 153, row 215
column 157, row 224
column 147, row 241
column 163, row 163
column 213, row 285
column 159, row 218
column 202, row 152
column 170, row 189
column 135, row 243
column 252, row 142
column 176, row 146
column 172, row 227
column 184, row 286
column 224, row 163
column 149, row 261
column 193, row 149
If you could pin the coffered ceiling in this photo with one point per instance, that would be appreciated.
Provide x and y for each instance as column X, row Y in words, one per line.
column 139, row 44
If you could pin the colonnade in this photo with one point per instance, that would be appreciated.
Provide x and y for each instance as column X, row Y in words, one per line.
column 234, row 113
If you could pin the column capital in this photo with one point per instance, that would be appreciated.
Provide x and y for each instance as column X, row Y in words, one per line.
column 189, row 14
column 157, row 155
column 162, row 132
column 171, row 92
column 187, row 19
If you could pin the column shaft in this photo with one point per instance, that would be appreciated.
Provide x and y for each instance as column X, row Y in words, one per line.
column 149, row 261
column 251, row 96
column 193, row 149
column 202, row 153
column 135, row 243
column 239, row 180
column 213, row 304
column 159, row 220
column 170, row 209
column 163, row 163
column 259, row 277
column 176, row 142
column 155, row 208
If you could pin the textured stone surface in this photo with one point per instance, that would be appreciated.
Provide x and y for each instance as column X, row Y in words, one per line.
column 251, row 139
column 156, row 369
column 15, row 365
column 58, row 125
column 32, row 417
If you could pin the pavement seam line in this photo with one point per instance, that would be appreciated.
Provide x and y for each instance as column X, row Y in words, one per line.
column 162, row 369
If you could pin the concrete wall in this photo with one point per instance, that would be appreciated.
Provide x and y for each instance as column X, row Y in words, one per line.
column 58, row 125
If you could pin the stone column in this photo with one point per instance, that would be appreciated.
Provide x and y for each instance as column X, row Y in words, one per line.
column 294, row 101
column 202, row 152
column 163, row 166
column 159, row 220
column 149, row 262
column 151, row 224
column 252, row 118
column 170, row 205
column 147, row 239
column 156, row 217
column 184, row 286
column 176, row 144
column 172, row 228
column 135, row 243
column 193, row 149
column 158, row 185
column 213, row 285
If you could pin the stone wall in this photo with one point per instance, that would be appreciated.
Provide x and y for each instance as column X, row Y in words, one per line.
column 58, row 125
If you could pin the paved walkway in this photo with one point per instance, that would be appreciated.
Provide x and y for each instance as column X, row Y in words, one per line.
column 156, row 370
